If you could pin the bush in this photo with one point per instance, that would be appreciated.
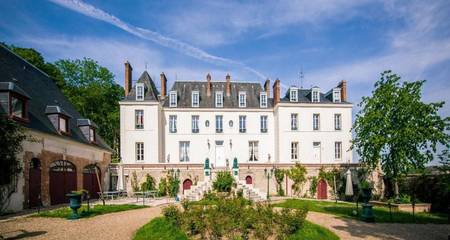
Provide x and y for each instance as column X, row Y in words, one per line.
column 224, row 182
column 279, row 177
column 313, row 186
column 290, row 221
column 173, row 215
column 162, row 187
column 149, row 183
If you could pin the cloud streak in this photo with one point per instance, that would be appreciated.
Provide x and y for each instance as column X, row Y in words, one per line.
column 189, row 50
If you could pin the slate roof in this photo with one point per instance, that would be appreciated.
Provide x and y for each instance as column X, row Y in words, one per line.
column 304, row 96
column 184, row 93
column 43, row 92
column 151, row 93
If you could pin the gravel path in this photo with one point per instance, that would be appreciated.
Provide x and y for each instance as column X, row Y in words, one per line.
column 353, row 229
column 121, row 225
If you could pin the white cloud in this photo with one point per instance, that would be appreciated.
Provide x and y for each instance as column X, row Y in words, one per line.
column 91, row 11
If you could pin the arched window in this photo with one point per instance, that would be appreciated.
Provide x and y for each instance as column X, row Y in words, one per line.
column 62, row 166
column 90, row 168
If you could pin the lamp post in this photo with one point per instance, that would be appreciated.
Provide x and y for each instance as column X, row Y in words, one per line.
column 268, row 174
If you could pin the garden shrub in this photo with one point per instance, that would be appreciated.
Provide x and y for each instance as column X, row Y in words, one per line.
column 173, row 185
column 298, row 175
column 162, row 187
column 134, row 182
column 149, row 183
column 313, row 186
column 279, row 177
column 224, row 182
column 173, row 215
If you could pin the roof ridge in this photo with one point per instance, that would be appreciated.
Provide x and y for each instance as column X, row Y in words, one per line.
column 23, row 59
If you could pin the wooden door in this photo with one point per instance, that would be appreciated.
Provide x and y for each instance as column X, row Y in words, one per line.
column 248, row 180
column 322, row 192
column 63, row 180
column 34, row 184
column 187, row 184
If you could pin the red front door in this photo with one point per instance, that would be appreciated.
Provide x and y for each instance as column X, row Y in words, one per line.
column 187, row 184
column 34, row 186
column 248, row 180
column 322, row 189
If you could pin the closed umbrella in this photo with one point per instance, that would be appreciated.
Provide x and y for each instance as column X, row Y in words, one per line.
column 349, row 185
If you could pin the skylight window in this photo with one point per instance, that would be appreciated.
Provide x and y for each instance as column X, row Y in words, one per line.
column 294, row 95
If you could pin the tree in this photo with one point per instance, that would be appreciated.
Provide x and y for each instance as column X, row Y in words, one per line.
column 396, row 129
column 92, row 90
column 279, row 177
column 298, row 176
column 11, row 135
column 149, row 183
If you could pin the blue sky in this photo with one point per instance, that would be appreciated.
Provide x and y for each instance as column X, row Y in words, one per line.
column 252, row 40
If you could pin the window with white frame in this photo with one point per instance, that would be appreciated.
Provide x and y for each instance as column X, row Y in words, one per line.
column 263, row 124
column 139, row 119
column 315, row 95
column 139, row 151
column 294, row 151
column 173, row 99
column 316, row 121
column 195, row 99
column 242, row 124
column 293, row 95
column 294, row 121
column 173, row 123
column 253, row 150
column 337, row 95
column 338, row 150
column 263, row 100
column 219, row 99
column 337, row 121
column 242, row 99
column 139, row 91
column 184, row 151
column 63, row 124
column 195, row 120
column 92, row 134
column 219, row 123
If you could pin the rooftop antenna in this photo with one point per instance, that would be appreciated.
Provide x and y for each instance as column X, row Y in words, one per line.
column 301, row 77
column 145, row 66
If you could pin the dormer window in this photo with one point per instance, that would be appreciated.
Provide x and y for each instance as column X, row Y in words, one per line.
column 242, row 99
column 263, row 100
column 13, row 101
column 195, row 99
column 88, row 129
column 219, row 99
column 315, row 95
column 173, row 99
column 337, row 95
column 293, row 95
column 59, row 119
column 139, row 92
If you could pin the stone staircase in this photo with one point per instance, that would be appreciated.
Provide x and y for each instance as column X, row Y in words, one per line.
column 197, row 191
column 250, row 192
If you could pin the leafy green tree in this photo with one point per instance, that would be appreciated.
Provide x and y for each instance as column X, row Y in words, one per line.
column 162, row 187
column 11, row 135
column 149, row 183
column 396, row 129
column 279, row 177
column 224, row 182
column 91, row 88
column 298, row 175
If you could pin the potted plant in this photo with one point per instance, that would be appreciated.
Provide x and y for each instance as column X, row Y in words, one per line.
column 74, row 203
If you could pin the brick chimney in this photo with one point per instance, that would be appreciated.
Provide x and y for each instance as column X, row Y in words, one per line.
column 163, row 85
column 128, row 78
column 276, row 91
column 343, row 86
column 267, row 87
column 208, row 85
column 228, row 85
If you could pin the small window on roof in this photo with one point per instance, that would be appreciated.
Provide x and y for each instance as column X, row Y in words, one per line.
column 315, row 95
column 140, row 91
column 242, row 99
column 337, row 95
column 195, row 99
column 219, row 99
column 294, row 95
column 173, row 99
column 63, row 125
column 263, row 100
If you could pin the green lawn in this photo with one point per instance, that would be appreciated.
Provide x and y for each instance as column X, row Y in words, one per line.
column 160, row 229
column 93, row 211
column 381, row 213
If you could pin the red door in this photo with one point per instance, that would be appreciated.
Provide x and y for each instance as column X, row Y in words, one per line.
column 34, row 183
column 63, row 180
column 248, row 180
column 187, row 184
column 322, row 189
column 90, row 182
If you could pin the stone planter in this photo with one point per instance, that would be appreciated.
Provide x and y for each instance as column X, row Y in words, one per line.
column 405, row 207
column 74, row 204
column 366, row 194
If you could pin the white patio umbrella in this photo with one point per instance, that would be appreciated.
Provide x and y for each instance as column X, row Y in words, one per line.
column 348, row 184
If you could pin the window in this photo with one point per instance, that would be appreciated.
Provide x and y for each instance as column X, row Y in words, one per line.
column 316, row 121
column 139, row 91
column 253, row 151
column 139, row 151
column 4, row 103
column 242, row 99
column 195, row 120
column 173, row 99
column 338, row 150
column 294, row 151
column 294, row 121
column 263, row 100
column 337, row 122
column 242, row 127
column 219, row 99
column 263, row 124
column 337, row 95
column 63, row 124
column 195, row 99
column 219, row 123
column 293, row 95
column 173, row 123
column 315, row 95
column 184, row 151
column 91, row 134
column 139, row 119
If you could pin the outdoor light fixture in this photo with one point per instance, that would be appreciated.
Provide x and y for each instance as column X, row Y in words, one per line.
column 231, row 144
column 268, row 174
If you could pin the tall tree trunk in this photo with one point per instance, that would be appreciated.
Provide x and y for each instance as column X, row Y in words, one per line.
column 396, row 187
